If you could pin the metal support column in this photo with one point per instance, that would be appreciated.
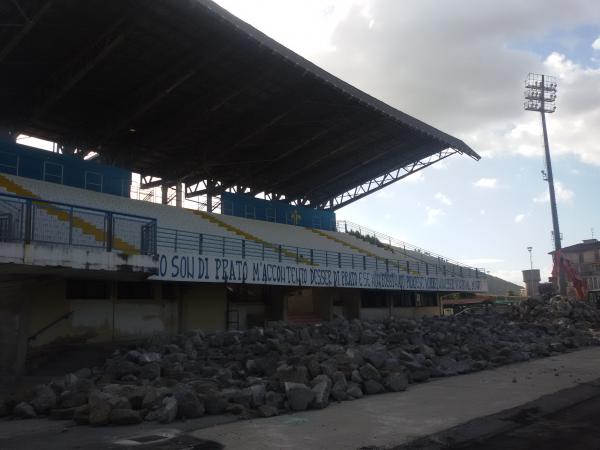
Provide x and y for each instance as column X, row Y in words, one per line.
column 562, row 285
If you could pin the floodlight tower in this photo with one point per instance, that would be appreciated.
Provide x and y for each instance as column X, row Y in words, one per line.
column 540, row 95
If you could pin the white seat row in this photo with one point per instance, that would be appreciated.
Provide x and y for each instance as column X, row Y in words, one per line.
column 411, row 256
column 185, row 220
column 289, row 235
column 167, row 216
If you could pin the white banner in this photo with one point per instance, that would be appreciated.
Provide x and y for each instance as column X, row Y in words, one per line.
column 212, row 269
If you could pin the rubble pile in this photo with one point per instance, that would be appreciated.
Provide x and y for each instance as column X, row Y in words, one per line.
column 558, row 311
column 265, row 372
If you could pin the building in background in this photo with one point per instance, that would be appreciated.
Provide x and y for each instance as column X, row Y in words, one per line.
column 531, row 278
column 585, row 257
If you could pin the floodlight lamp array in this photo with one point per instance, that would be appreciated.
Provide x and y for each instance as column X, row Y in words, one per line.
column 540, row 93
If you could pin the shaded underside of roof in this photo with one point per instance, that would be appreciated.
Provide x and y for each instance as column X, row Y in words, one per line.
column 183, row 90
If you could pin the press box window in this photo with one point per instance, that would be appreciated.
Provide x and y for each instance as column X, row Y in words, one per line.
column 316, row 221
column 9, row 163
column 53, row 172
column 93, row 181
column 249, row 212
column 227, row 208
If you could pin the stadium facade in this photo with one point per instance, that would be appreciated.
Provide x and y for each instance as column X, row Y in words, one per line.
column 188, row 95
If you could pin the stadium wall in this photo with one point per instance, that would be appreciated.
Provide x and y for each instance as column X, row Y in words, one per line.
column 25, row 161
column 45, row 313
column 203, row 307
column 249, row 207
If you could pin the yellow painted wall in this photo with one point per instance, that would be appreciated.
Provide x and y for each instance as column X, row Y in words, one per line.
column 47, row 304
column 139, row 318
column 92, row 318
column 96, row 320
column 203, row 307
column 300, row 301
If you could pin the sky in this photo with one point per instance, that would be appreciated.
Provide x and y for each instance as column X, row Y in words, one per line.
column 459, row 65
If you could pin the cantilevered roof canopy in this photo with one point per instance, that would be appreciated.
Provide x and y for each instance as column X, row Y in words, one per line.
column 183, row 90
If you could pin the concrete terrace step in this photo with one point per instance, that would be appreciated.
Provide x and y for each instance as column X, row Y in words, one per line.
column 249, row 237
column 85, row 227
column 358, row 249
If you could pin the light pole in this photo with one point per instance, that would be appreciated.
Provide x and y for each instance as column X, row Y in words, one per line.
column 529, row 249
column 540, row 95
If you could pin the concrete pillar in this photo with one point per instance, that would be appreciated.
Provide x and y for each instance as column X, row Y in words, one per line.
column 164, row 189
column 112, row 295
column 15, row 310
column 352, row 303
column 323, row 302
column 178, row 194
column 532, row 282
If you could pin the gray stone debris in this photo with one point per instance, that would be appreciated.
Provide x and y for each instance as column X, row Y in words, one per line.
column 299, row 396
column 396, row 382
column 271, row 371
column 321, row 392
column 24, row 411
column 121, row 416
column 44, row 399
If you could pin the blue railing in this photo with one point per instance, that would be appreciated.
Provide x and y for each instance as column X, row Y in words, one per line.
column 33, row 220
column 396, row 245
column 29, row 220
column 224, row 246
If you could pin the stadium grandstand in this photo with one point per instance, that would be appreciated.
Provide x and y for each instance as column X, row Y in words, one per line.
column 263, row 144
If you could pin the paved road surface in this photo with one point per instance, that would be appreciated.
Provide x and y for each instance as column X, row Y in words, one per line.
column 577, row 427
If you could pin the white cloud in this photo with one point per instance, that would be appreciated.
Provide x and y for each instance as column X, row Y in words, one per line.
column 371, row 45
column 490, row 118
column 433, row 214
column 387, row 194
column 417, row 177
column 286, row 21
column 485, row 183
column 519, row 218
column 442, row 198
column 482, row 212
column 563, row 194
